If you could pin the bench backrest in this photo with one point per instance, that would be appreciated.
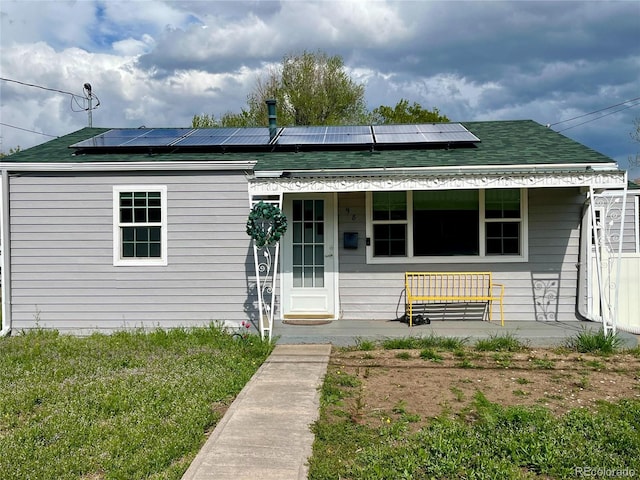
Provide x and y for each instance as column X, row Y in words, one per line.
column 448, row 284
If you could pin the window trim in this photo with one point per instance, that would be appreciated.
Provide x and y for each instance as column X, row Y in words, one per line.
column 118, row 261
column 482, row 257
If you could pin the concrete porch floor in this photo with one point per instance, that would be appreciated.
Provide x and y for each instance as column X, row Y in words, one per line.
column 348, row 332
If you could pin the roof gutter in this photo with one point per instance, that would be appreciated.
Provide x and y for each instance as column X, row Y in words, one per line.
column 126, row 166
column 6, row 257
column 504, row 169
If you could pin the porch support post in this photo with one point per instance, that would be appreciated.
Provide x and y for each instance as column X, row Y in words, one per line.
column 266, row 268
column 607, row 233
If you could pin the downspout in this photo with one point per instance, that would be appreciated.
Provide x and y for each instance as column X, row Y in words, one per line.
column 6, row 256
column 584, row 267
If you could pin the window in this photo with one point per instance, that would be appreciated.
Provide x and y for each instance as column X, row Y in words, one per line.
column 447, row 225
column 139, row 225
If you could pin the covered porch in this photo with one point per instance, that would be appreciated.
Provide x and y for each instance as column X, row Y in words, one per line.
column 349, row 284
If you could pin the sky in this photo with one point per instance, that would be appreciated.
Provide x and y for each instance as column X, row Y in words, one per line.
column 157, row 63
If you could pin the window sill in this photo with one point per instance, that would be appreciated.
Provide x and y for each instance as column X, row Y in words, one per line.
column 455, row 259
column 162, row 262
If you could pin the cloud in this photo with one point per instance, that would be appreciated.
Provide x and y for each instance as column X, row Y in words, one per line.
column 157, row 63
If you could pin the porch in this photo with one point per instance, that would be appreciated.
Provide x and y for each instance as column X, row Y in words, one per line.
column 348, row 332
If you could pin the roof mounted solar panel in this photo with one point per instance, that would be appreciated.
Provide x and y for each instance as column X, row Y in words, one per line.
column 206, row 137
column 331, row 135
column 138, row 137
column 423, row 133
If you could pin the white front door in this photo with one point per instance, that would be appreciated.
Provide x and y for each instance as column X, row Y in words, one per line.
column 308, row 257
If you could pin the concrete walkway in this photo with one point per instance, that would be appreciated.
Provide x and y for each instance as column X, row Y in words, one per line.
column 265, row 434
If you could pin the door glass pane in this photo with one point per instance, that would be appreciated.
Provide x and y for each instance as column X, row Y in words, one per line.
column 308, row 232
column 297, row 255
column 319, row 232
column 297, row 276
column 308, row 277
column 308, row 243
column 297, row 211
column 297, row 232
column 308, row 209
column 308, row 256
column 319, row 211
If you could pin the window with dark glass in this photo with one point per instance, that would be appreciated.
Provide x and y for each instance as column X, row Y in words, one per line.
column 389, row 214
column 502, row 222
column 140, row 224
column 445, row 222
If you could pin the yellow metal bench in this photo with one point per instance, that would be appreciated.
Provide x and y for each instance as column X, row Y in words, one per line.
column 448, row 287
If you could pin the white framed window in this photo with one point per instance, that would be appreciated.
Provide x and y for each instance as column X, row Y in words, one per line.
column 139, row 225
column 447, row 226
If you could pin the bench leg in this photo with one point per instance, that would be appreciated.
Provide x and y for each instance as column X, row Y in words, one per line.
column 410, row 314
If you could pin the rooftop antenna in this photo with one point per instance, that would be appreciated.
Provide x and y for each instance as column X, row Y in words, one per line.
column 87, row 91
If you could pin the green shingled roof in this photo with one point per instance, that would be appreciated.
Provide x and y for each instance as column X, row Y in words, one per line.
column 519, row 142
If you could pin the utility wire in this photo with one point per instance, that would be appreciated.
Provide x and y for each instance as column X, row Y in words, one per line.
column 39, row 86
column 594, row 112
column 599, row 117
column 27, row 130
column 74, row 96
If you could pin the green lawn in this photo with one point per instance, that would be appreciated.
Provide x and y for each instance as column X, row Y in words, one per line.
column 123, row 406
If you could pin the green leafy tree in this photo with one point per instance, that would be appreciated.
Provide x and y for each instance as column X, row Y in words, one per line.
column 11, row 152
column 309, row 88
column 405, row 113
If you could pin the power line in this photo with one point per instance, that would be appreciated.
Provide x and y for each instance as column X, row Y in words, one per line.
column 594, row 112
column 39, row 86
column 599, row 117
column 88, row 96
column 27, row 130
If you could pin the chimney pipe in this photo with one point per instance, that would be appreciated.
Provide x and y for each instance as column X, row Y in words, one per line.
column 273, row 126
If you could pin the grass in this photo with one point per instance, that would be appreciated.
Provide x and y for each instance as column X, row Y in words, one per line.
column 129, row 405
column 597, row 343
column 500, row 343
column 418, row 343
column 489, row 441
column 484, row 441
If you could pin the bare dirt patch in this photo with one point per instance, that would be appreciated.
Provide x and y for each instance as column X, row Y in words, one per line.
column 400, row 382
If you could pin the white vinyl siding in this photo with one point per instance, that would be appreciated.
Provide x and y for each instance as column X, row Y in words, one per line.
column 62, row 254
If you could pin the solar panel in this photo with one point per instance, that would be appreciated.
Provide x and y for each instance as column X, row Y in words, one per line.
column 353, row 135
column 334, row 129
column 309, row 139
column 204, row 137
column 423, row 133
column 331, row 135
column 112, row 138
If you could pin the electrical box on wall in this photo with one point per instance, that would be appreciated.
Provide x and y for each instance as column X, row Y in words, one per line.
column 350, row 240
